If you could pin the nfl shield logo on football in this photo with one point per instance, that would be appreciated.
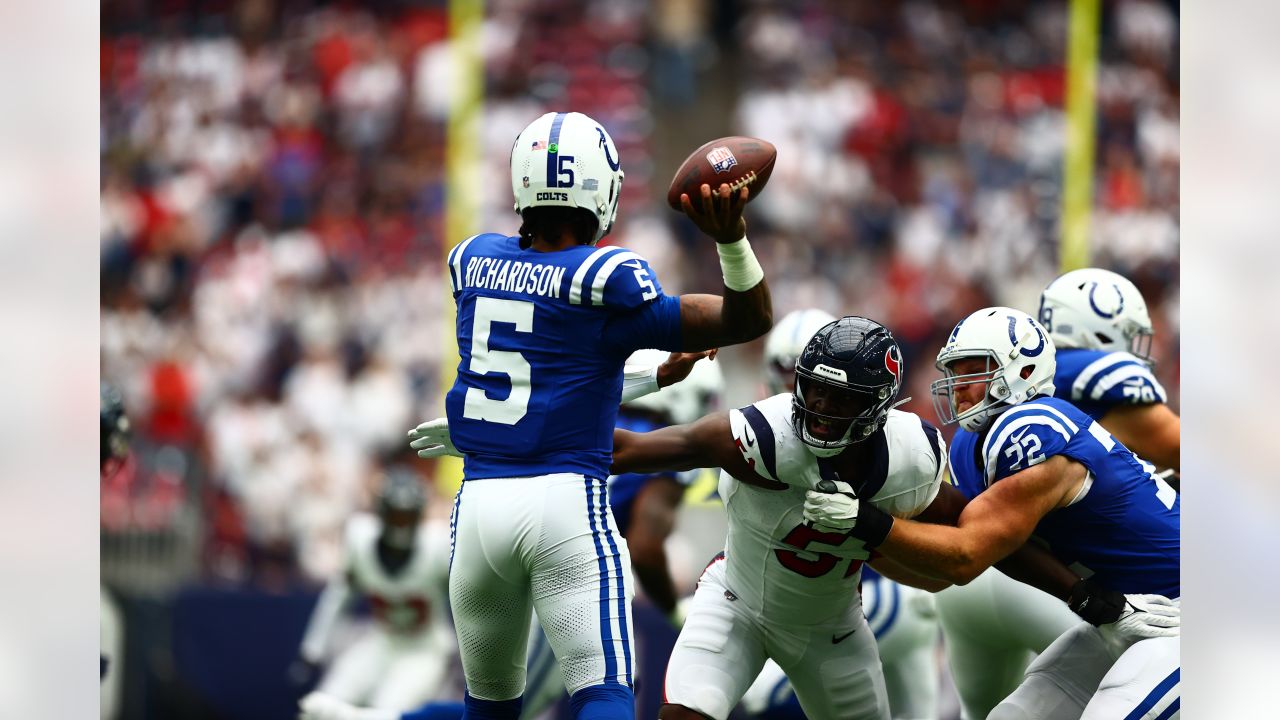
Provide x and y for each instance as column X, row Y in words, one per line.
column 721, row 159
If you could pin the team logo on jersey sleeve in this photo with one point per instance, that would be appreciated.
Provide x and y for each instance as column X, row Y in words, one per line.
column 721, row 159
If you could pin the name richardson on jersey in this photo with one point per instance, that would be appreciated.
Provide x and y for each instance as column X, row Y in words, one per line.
column 486, row 273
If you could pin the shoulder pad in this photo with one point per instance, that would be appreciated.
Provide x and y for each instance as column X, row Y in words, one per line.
column 614, row 277
column 1119, row 377
column 1027, row 435
column 917, row 465
column 455, row 260
column 759, row 436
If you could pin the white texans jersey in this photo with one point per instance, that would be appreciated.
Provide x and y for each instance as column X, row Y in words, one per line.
column 777, row 563
column 412, row 599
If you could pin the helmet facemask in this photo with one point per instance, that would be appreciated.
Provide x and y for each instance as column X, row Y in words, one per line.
column 1140, row 344
column 400, row 527
column 400, row 507
column 852, row 413
column 994, row 398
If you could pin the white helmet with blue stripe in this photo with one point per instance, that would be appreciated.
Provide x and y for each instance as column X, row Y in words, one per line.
column 567, row 160
column 1096, row 309
column 785, row 343
column 1020, row 363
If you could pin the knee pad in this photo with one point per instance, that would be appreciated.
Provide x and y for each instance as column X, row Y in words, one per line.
column 604, row 702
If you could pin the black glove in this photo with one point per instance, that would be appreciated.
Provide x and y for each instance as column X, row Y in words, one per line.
column 1095, row 603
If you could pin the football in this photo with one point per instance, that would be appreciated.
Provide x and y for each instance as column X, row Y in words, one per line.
column 735, row 160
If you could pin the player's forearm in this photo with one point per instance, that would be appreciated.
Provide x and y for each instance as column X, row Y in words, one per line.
column 899, row 573
column 1151, row 431
column 654, row 578
column 938, row 551
column 661, row 450
column 1033, row 565
column 711, row 321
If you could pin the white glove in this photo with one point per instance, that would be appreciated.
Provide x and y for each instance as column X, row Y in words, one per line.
column 319, row 706
column 1145, row 616
column 832, row 506
column 431, row 439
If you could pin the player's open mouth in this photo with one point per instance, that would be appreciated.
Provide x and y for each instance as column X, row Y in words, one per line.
column 822, row 429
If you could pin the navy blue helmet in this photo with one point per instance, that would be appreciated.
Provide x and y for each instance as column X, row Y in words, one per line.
column 401, row 501
column 847, row 379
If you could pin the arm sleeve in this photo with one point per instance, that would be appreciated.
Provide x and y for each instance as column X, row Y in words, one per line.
column 656, row 324
column 325, row 616
column 638, row 381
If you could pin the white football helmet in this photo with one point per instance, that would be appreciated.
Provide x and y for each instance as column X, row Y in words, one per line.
column 686, row 400
column 785, row 343
column 567, row 160
column 1096, row 309
column 1020, row 362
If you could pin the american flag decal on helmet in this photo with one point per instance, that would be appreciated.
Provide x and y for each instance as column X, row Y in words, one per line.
column 893, row 363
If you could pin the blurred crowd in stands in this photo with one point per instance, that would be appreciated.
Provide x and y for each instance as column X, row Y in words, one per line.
column 273, row 197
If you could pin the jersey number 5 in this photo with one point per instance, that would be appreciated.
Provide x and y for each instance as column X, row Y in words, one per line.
column 478, row 405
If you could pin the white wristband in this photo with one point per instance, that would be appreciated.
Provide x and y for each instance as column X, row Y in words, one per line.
column 739, row 265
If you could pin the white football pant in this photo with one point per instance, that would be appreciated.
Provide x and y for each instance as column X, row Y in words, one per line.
column 1083, row 676
column 389, row 671
column 904, row 622
column 834, row 666
column 994, row 627
column 547, row 543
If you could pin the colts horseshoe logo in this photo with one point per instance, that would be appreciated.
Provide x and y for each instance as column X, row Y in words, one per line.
column 613, row 164
column 1026, row 352
column 1093, row 287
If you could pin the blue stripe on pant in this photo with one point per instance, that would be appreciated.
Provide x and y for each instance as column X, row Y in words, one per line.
column 606, row 629
column 894, row 600
column 620, row 579
column 453, row 523
column 1155, row 696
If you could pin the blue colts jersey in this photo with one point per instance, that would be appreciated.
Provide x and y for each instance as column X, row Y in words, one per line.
column 542, row 338
column 1097, row 380
column 1126, row 527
